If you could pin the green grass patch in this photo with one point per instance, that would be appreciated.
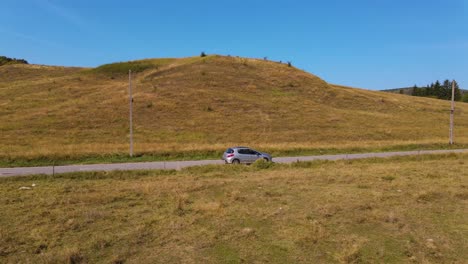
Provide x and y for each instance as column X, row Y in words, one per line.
column 123, row 67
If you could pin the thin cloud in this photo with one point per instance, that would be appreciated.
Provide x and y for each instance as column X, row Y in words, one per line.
column 62, row 12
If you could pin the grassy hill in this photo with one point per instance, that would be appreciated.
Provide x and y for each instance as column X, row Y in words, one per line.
column 199, row 106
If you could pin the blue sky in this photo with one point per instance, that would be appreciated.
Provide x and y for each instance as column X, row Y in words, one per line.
column 372, row 44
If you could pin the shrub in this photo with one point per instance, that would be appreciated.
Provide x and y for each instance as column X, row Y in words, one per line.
column 262, row 164
column 5, row 60
column 203, row 54
column 465, row 98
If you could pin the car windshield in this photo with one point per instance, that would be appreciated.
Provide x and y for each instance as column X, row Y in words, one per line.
column 229, row 150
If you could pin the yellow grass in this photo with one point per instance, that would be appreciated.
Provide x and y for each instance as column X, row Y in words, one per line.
column 399, row 210
column 204, row 104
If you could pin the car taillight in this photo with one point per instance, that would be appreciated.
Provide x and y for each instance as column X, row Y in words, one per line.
column 230, row 155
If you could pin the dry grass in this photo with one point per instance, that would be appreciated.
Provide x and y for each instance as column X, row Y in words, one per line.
column 204, row 104
column 399, row 210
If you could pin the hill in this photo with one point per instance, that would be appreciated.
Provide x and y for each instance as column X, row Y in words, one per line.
column 203, row 105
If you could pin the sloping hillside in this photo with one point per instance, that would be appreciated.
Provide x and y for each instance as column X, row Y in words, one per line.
column 202, row 104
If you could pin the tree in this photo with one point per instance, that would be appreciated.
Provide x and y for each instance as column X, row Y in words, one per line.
column 427, row 91
column 438, row 91
column 446, row 90
column 465, row 98
column 458, row 95
column 415, row 91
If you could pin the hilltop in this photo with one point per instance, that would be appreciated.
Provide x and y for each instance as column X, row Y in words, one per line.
column 204, row 104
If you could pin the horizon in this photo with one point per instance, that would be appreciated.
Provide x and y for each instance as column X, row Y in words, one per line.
column 368, row 45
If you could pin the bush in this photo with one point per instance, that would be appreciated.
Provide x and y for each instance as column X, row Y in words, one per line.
column 5, row 60
column 203, row 54
column 465, row 98
column 262, row 164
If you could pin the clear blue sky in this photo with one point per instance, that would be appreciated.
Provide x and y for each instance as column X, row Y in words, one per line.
column 362, row 43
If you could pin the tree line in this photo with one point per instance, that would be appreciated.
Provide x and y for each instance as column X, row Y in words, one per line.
column 5, row 60
column 437, row 90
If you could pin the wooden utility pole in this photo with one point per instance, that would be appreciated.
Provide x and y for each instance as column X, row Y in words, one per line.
column 131, row 110
column 452, row 110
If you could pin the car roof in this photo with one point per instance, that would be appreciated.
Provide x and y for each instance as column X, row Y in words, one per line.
column 239, row 147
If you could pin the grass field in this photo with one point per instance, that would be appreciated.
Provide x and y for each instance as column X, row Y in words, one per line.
column 196, row 107
column 398, row 210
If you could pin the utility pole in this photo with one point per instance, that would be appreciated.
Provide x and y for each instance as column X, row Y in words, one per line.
column 452, row 110
column 131, row 110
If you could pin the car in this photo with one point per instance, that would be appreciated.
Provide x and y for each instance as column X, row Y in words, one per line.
column 236, row 155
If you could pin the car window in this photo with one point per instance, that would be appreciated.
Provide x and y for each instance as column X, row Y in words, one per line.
column 243, row 151
column 252, row 152
column 229, row 150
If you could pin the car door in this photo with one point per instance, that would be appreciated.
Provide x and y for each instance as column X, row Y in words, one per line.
column 244, row 155
column 252, row 155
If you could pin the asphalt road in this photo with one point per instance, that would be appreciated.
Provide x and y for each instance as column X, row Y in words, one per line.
column 177, row 165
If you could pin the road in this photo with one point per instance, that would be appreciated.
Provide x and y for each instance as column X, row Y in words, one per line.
column 177, row 165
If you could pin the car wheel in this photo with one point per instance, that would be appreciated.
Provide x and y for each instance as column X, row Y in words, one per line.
column 266, row 159
column 235, row 161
